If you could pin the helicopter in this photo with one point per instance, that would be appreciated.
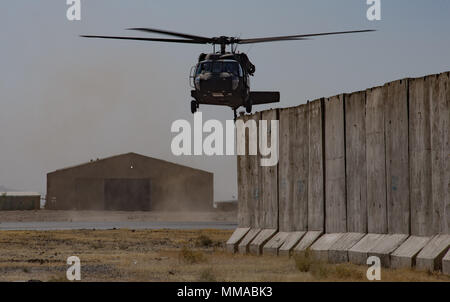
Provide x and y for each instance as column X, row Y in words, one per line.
column 223, row 77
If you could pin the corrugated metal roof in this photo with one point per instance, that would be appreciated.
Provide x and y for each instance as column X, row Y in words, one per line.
column 19, row 194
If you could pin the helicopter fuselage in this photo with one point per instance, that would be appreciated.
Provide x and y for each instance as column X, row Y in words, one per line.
column 223, row 82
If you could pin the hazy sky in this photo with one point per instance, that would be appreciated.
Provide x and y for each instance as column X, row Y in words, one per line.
column 65, row 99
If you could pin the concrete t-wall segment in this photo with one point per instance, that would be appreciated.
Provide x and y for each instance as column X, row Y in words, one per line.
column 440, row 152
column 256, row 246
column 405, row 255
column 356, row 165
column 320, row 249
column 338, row 252
column 359, row 253
column 431, row 256
column 397, row 158
column 293, row 169
column 374, row 161
column 236, row 238
column 446, row 264
column 335, row 191
column 307, row 240
column 316, row 192
column 420, row 156
column 244, row 244
column 242, row 186
column 269, row 181
column 387, row 246
column 249, row 179
column 275, row 243
column 290, row 242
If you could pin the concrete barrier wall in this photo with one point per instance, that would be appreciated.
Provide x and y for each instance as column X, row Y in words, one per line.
column 300, row 168
column 420, row 156
column 429, row 164
column 269, row 182
column 316, row 180
column 397, row 158
column 440, row 152
column 374, row 161
column 293, row 169
column 335, row 191
column 249, row 183
column 356, row 164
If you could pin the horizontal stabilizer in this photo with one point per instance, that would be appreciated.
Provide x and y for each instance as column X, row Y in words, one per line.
column 264, row 97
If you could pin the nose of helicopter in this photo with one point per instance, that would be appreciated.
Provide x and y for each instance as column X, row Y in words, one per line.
column 216, row 82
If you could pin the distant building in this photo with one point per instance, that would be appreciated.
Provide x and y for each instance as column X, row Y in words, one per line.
column 11, row 201
column 130, row 182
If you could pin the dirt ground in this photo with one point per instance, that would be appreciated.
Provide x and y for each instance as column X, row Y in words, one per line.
column 162, row 255
column 113, row 216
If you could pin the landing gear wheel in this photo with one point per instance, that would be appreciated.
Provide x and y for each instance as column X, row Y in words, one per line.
column 248, row 106
column 194, row 106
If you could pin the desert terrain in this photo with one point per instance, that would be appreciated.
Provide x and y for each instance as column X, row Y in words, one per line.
column 163, row 255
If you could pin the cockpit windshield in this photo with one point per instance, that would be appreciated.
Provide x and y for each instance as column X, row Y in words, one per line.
column 220, row 66
column 204, row 68
column 231, row 67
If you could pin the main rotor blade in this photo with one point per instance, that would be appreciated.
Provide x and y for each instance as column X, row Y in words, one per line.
column 297, row 37
column 270, row 39
column 146, row 39
column 172, row 33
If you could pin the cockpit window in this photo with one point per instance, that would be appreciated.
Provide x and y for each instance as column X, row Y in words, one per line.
column 220, row 66
column 217, row 67
column 204, row 67
column 231, row 67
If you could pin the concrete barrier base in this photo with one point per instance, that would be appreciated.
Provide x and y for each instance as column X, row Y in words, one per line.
column 358, row 254
column 319, row 249
column 338, row 252
column 394, row 250
column 446, row 264
column 256, row 246
column 385, row 247
column 405, row 255
column 235, row 239
column 291, row 241
column 430, row 257
column 272, row 246
column 243, row 246
column 308, row 239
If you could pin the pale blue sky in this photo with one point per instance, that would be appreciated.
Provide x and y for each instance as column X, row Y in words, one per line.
column 65, row 100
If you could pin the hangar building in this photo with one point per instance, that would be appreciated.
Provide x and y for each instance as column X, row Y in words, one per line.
column 130, row 182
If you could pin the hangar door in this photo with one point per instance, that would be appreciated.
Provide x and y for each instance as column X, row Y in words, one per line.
column 127, row 194
column 89, row 194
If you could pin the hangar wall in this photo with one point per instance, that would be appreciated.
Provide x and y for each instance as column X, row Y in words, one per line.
column 97, row 184
column 373, row 161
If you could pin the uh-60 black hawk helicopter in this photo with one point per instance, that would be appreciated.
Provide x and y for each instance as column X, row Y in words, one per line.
column 223, row 78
